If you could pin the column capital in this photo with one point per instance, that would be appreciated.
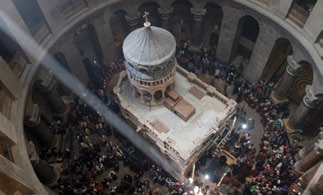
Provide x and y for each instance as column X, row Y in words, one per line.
column 33, row 156
column 133, row 19
column 318, row 147
column 292, row 67
column 165, row 13
column 198, row 14
column 47, row 84
column 34, row 119
column 310, row 100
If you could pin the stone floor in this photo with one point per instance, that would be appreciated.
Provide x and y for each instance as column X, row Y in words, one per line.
column 210, row 166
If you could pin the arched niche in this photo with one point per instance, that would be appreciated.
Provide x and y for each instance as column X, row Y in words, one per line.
column 277, row 61
column 158, row 95
column 300, row 10
column 181, row 23
column 118, row 25
column 304, row 78
column 152, row 8
column 212, row 24
column 245, row 37
column 31, row 14
column 60, row 58
column 87, row 42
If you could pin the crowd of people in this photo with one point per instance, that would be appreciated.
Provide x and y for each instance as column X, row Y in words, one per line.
column 266, row 171
column 94, row 153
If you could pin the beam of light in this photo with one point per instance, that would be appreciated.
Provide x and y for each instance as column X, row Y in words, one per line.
column 41, row 55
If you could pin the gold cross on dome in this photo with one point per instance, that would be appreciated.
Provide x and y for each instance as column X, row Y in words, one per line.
column 146, row 16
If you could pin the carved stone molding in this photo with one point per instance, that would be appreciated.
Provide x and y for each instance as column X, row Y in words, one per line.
column 292, row 67
column 198, row 14
column 133, row 19
column 34, row 119
column 165, row 13
column 310, row 100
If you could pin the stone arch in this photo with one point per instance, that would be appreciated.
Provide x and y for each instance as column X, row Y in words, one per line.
column 304, row 78
column 87, row 43
column 152, row 8
column 118, row 25
column 212, row 24
column 31, row 14
column 245, row 37
column 276, row 63
column 158, row 96
column 146, row 97
column 181, row 22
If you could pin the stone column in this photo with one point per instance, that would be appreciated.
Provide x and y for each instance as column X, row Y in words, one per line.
column 279, row 95
column 309, row 146
column 133, row 21
column 44, row 172
column 104, row 34
column 197, row 27
column 38, row 128
column 48, row 88
column 165, row 15
column 313, row 157
column 294, row 122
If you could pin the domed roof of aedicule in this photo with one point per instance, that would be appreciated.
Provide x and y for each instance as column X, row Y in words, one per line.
column 149, row 46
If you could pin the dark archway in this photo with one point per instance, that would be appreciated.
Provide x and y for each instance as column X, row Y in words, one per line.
column 181, row 23
column 118, row 25
column 87, row 43
column 246, row 37
column 212, row 24
column 152, row 8
column 276, row 63
column 119, row 28
column 31, row 14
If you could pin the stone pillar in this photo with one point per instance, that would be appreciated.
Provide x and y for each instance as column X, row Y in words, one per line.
column 229, row 28
column 313, row 157
column 133, row 21
column 38, row 128
column 73, row 57
column 294, row 122
column 309, row 146
column 279, row 95
column 197, row 27
column 48, row 88
column 104, row 34
column 165, row 15
column 44, row 172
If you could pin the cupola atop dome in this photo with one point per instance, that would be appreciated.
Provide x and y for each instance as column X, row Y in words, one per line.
column 149, row 46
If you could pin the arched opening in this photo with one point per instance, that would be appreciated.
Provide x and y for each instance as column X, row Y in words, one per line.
column 212, row 24
column 119, row 28
column 158, row 95
column 152, row 8
column 87, row 43
column 146, row 97
column 181, row 21
column 246, row 37
column 31, row 14
column 300, row 10
column 276, row 63
column 304, row 78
